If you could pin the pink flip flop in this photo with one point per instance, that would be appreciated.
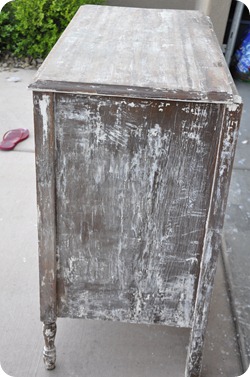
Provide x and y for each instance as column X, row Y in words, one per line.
column 13, row 137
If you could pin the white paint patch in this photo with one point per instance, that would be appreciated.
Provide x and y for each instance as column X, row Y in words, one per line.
column 193, row 136
column 100, row 133
column 43, row 282
column 44, row 104
column 186, row 109
column 192, row 260
column 162, row 105
column 82, row 116
column 199, row 111
column 233, row 106
column 227, row 150
column 185, row 306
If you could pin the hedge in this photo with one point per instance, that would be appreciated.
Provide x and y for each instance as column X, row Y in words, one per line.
column 30, row 28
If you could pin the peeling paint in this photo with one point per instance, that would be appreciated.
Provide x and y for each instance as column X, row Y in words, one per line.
column 44, row 103
column 126, row 237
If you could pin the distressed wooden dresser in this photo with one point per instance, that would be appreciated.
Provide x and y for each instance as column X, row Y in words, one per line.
column 136, row 121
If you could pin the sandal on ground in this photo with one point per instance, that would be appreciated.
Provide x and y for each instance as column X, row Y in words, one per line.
column 13, row 137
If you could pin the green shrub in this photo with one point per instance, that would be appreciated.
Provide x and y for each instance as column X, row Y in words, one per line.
column 31, row 27
column 7, row 29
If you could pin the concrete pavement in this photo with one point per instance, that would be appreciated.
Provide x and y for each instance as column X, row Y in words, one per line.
column 84, row 348
column 237, row 230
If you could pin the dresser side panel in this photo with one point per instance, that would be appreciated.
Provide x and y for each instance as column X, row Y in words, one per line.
column 134, row 179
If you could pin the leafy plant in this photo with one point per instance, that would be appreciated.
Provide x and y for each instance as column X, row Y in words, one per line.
column 7, row 29
column 31, row 27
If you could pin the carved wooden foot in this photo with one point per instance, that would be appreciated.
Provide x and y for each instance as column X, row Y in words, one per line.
column 49, row 351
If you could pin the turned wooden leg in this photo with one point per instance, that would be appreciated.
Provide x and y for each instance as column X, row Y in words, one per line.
column 49, row 351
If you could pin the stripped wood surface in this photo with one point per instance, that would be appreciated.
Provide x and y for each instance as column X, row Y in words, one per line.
column 107, row 49
column 142, row 173
column 45, row 156
column 213, row 239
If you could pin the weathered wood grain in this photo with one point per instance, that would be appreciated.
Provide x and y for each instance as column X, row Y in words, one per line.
column 45, row 155
column 113, row 50
column 212, row 243
column 131, row 227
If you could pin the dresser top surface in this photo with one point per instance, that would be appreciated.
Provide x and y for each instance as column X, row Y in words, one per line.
column 152, row 53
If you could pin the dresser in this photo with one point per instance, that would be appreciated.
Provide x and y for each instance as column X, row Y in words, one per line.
column 136, row 120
